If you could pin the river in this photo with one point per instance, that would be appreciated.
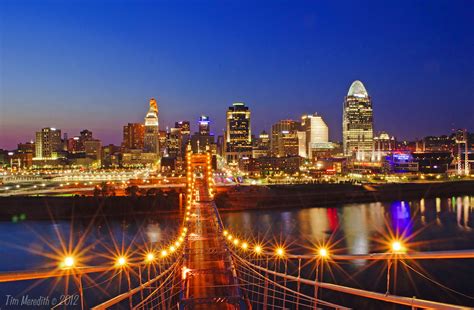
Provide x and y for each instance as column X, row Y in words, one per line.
column 361, row 228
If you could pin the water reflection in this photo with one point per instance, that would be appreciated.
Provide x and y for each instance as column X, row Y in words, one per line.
column 153, row 232
column 360, row 228
column 401, row 219
column 30, row 244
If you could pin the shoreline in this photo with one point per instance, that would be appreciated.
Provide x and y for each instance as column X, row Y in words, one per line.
column 286, row 197
column 234, row 199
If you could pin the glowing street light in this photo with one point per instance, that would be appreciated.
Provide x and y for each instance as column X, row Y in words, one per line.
column 258, row 249
column 121, row 261
column 68, row 262
column 150, row 257
column 164, row 253
column 398, row 247
column 236, row 241
column 280, row 251
column 245, row 246
column 323, row 252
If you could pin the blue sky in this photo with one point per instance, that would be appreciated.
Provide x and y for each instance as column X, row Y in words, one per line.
column 94, row 64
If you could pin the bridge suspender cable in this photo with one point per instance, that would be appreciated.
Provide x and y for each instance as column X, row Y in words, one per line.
column 407, row 301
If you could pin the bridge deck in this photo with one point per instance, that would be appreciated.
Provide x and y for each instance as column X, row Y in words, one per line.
column 209, row 283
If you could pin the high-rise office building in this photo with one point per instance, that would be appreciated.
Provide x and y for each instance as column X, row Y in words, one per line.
column 316, row 134
column 302, row 152
column 284, row 139
column 133, row 136
column 85, row 135
column 203, row 139
column 151, row 143
column 357, row 123
column 185, row 128
column 262, row 145
column 76, row 144
column 173, row 143
column 204, row 125
column 93, row 149
column 238, row 140
column 48, row 143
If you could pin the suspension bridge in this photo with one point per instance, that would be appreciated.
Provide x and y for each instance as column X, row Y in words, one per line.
column 206, row 266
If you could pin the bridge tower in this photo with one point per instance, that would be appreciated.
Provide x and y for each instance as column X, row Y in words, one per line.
column 198, row 165
column 461, row 138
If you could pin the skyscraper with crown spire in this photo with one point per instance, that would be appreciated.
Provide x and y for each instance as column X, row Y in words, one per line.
column 152, row 129
column 357, row 123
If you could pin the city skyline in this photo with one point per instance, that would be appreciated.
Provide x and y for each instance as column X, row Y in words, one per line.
column 301, row 60
column 194, row 127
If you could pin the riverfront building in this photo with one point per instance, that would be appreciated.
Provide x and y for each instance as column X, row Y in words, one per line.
column 357, row 123
column 316, row 134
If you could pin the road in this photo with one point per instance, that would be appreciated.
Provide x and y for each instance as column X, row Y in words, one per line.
column 209, row 278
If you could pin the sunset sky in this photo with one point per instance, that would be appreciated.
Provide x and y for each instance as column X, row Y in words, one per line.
column 95, row 64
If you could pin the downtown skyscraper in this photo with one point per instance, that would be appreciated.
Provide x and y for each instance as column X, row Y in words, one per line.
column 316, row 134
column 48, row 143
column 238, row 135
column 357, row 123
column 152, row 129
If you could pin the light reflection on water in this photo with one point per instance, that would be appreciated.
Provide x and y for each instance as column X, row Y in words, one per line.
column 27, row 242
column 442, row 223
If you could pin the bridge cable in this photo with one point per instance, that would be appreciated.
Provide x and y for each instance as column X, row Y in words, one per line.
column 156, row 289
column 322, row 302
column 436, row 282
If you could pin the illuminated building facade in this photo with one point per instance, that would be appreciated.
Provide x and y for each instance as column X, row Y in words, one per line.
column 173, row 143
column 238, row 141
column 48, row 143
column 433, row 162
column 204, row 125
column 93, row 149
column 151, row 142
column 357, row 123
column 203, row 139
column 133, row 136
column 400, row 162
column 184, row 126
column 76, row 144
column 284, row 140
column 302, row 144
column 383, row 145
column 271, row 165
column 262, row 145
column 316, row 134
column 185, row 129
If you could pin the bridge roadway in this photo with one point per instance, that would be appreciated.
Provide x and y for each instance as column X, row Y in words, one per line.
column 210, row 280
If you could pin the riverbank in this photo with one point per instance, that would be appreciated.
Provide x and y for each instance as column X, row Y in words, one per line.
column 227, row 198
column 19, row 208
column 329, row 195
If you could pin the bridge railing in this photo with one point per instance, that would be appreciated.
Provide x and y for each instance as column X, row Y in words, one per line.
column 269, row 282
column 153, row 283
